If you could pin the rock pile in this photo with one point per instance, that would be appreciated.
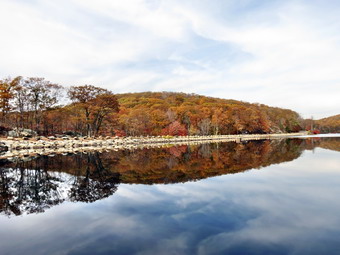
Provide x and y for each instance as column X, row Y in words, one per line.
column 12, row 147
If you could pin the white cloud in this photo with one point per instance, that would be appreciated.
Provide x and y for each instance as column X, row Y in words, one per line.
column 278, row 53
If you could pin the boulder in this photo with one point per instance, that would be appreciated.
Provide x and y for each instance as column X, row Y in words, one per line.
column 22, row 132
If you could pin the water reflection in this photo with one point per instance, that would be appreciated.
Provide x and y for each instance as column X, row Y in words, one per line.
column 289, row 208
column 34, row 185
column 31, row 186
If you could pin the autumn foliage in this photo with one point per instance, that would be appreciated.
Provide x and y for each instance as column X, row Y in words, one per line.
column 169, row 113
column 175, row 129
column 329, row 124
column 49, row 108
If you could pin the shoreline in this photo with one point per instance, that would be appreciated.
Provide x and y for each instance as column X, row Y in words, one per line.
column 20, row 148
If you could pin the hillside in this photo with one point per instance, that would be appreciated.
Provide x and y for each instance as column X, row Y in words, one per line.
column 329, row 125
column 36, row 105
column 168, row 112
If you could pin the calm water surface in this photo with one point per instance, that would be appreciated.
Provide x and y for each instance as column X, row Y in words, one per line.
column 264, row 197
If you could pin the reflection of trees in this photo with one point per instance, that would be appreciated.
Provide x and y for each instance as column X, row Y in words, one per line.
column 6, row 206
column 36, row 185
column 205, row 150
column 198, row 162
column 27, row 188
column 97, row 183
column 330, row 144
column 29, row 191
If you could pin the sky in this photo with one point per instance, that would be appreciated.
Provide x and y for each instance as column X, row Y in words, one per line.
column 280, row 53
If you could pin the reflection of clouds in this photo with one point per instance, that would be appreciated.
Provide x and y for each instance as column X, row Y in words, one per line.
column 326, row 161
column 143, row 194
column 289, row 208
column 287, row 212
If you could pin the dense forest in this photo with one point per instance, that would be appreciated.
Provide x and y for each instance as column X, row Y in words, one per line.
column 181, row 114
column 47, row 108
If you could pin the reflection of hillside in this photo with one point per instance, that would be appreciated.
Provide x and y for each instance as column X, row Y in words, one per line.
column 202, row 162
column 174, row 164
column 330, row 144
column 36, row 185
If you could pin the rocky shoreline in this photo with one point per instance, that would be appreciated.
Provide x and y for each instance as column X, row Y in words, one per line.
column 24, row 147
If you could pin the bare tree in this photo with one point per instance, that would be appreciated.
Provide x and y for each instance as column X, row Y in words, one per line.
column 204, row 126
column 41, row 95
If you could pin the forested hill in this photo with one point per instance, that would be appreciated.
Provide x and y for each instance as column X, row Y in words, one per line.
column 36, row 104
column 329, row 125
column 179, row 113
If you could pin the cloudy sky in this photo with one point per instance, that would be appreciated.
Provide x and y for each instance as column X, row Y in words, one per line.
column 280, row 53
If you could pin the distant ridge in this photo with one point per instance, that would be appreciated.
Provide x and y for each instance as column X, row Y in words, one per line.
column 330, row 124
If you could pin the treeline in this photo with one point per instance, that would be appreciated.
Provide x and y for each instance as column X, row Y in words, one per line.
column 329, row 124
column 48, row 108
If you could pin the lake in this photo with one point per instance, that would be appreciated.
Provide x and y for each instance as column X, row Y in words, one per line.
column 260, row 197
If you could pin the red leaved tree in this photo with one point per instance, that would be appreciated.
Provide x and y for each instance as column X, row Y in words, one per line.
column 175, row 129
